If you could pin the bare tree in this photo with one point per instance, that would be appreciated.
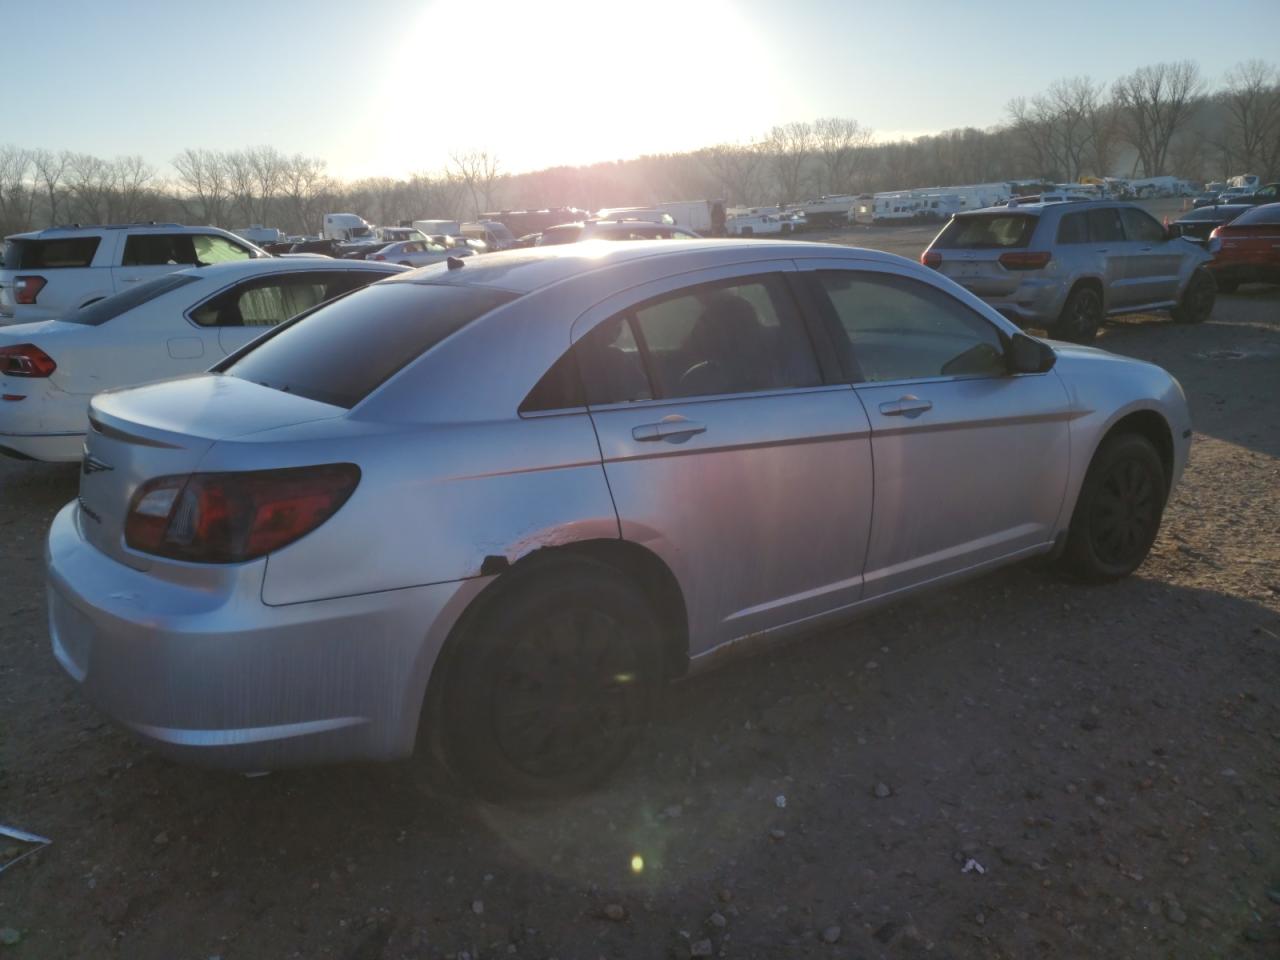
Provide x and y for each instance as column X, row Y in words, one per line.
column 1252, row 102
column 202, row 178
column 268, row 167
column 841, row 143
column 478, row 170
column 50, row 168
column 1154, row 103
column 305, row 187
column 15, row 194
column 131, row 195
column 240, row 183
column 737, row 167
column 91, row 182
column 790, row 147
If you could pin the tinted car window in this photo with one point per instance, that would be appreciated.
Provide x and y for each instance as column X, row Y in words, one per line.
column 1141, row 226
column 1266, row 214
column 159, row 249
column 896, row 328
column 343, row 351
column 111, row 307
column 736, row 336
column 50, row 254
column 988, row 231
column 267, row 301
column 1104, row 226
column 1073, row 229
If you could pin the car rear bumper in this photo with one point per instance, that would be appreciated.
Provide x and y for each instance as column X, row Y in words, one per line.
column 1035, row 303
column 1246, row 272
column 220, row 678
column 49, row 447
column 45, row 424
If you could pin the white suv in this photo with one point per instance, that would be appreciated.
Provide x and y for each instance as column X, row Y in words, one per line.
column 51, row 273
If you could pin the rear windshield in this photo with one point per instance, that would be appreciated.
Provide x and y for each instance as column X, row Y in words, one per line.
column 1268, row 213
column 1210, row 213
column 341, row 352
column 96, row 314
column 50, row 254
column 987, row 232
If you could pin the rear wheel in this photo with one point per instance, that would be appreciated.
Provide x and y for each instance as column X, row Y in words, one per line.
column 1080, row 318
column 1118, row 511
column 1197, row 300
column 552, row 684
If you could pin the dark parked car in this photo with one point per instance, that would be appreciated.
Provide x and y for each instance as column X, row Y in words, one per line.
column 1268, row 194
column 1196, row 225
column 328, row 247
column 1247, row 250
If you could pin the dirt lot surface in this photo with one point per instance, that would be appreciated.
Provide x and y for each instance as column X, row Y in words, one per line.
column 1016, row 767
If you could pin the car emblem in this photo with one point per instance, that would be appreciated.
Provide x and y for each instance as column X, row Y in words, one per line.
column 92, row 464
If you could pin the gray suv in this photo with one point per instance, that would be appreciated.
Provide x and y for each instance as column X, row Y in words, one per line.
column 1064, row 267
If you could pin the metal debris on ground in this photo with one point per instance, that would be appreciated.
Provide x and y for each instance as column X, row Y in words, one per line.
column 973, row 866
column 22, row 836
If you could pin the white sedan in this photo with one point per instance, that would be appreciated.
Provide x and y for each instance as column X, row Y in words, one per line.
column 183, row 322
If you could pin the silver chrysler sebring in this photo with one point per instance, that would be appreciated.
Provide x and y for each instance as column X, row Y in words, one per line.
column 487, row 507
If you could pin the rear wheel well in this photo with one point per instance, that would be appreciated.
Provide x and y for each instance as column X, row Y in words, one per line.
column 1094, row 284
column 1152, row 426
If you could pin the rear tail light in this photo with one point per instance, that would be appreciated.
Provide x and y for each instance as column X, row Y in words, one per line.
column 233, row 517
column 1025, row 259
column 25, row 360
column 26, row 289
column 931, row 258
column 377, row 256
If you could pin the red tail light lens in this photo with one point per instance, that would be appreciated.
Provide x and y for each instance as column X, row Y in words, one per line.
column 25, row 360
column 931, row 258
column 26, row 289
column 233, row 517
column 1025, row 259
column 377, row 256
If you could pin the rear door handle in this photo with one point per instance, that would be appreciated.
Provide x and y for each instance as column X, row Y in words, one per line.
column 671, row 429
column 906, row 407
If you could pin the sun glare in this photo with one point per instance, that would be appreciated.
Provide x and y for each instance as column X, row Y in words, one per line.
column 569, row 82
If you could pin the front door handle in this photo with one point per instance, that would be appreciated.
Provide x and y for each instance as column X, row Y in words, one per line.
column 908, row 406
column 672, row 429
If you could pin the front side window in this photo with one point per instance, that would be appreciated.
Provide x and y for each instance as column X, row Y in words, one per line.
column 1141, row 226
column 897, row 328
column 210, row 248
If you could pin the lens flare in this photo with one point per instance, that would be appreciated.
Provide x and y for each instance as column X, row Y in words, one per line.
column 637, row 864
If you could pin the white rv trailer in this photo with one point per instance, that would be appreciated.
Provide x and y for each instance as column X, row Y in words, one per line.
column 1250, row 180
column 931, row 202
column 826, row 211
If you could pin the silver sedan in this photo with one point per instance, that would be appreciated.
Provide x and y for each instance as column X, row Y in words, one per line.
column 489, row 507
column 417, row 253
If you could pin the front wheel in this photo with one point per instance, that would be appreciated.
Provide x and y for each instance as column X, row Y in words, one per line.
column 1080, row 318
column 552, row 685
column 1118, row 511
column 1197, row 300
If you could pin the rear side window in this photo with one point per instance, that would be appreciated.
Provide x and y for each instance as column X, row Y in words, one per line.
column 1104, row 226
column 343, row 351
column 989, row 231
column 158, row 250
column 50, row 254
column 1074, row 228
column 96, row 314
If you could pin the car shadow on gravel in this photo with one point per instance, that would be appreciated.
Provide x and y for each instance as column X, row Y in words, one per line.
column 1052, row 734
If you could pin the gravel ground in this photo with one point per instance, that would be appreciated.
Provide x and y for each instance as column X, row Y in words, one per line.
column 1016, row 767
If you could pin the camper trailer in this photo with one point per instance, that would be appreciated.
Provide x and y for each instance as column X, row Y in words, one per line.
column 826, row 211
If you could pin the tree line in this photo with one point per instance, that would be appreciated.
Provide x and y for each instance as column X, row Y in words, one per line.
column 1159, row 119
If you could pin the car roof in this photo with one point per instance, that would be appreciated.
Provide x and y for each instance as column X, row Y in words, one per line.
column 528, row 269
column 265, row 266
column 1039, row 207
column 76, row 229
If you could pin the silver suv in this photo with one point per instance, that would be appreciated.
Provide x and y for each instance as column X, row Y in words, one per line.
column 1064, row 267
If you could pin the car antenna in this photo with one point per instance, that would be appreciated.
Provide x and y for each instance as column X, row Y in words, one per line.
column 455, row 263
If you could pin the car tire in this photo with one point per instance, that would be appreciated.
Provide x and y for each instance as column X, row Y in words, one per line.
column 551, row 685
column 1197, row 300
column 1227, row 286
column 1081, row 316
column 1118, row 512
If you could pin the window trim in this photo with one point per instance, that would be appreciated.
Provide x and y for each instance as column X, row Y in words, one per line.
column 832, row 319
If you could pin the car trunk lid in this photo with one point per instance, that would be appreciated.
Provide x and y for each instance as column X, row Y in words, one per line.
column 166, row 429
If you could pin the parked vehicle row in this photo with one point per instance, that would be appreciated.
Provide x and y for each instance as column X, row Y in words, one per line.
column 1246, row 249
column 569, row 475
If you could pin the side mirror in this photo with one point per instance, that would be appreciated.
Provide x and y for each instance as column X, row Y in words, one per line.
column 1029, row 355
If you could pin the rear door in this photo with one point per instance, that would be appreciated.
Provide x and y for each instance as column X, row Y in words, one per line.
column 970, row 462
column 727, row 451
column 1156, row 261
column 1115, row 253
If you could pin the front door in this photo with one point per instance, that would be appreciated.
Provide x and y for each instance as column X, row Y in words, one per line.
column 1156, row 261
column 726, row 452
column 970, row 462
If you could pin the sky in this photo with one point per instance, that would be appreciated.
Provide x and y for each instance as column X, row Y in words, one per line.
column 394, row 86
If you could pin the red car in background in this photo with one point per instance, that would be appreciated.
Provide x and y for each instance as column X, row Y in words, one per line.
column 1247, row 250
